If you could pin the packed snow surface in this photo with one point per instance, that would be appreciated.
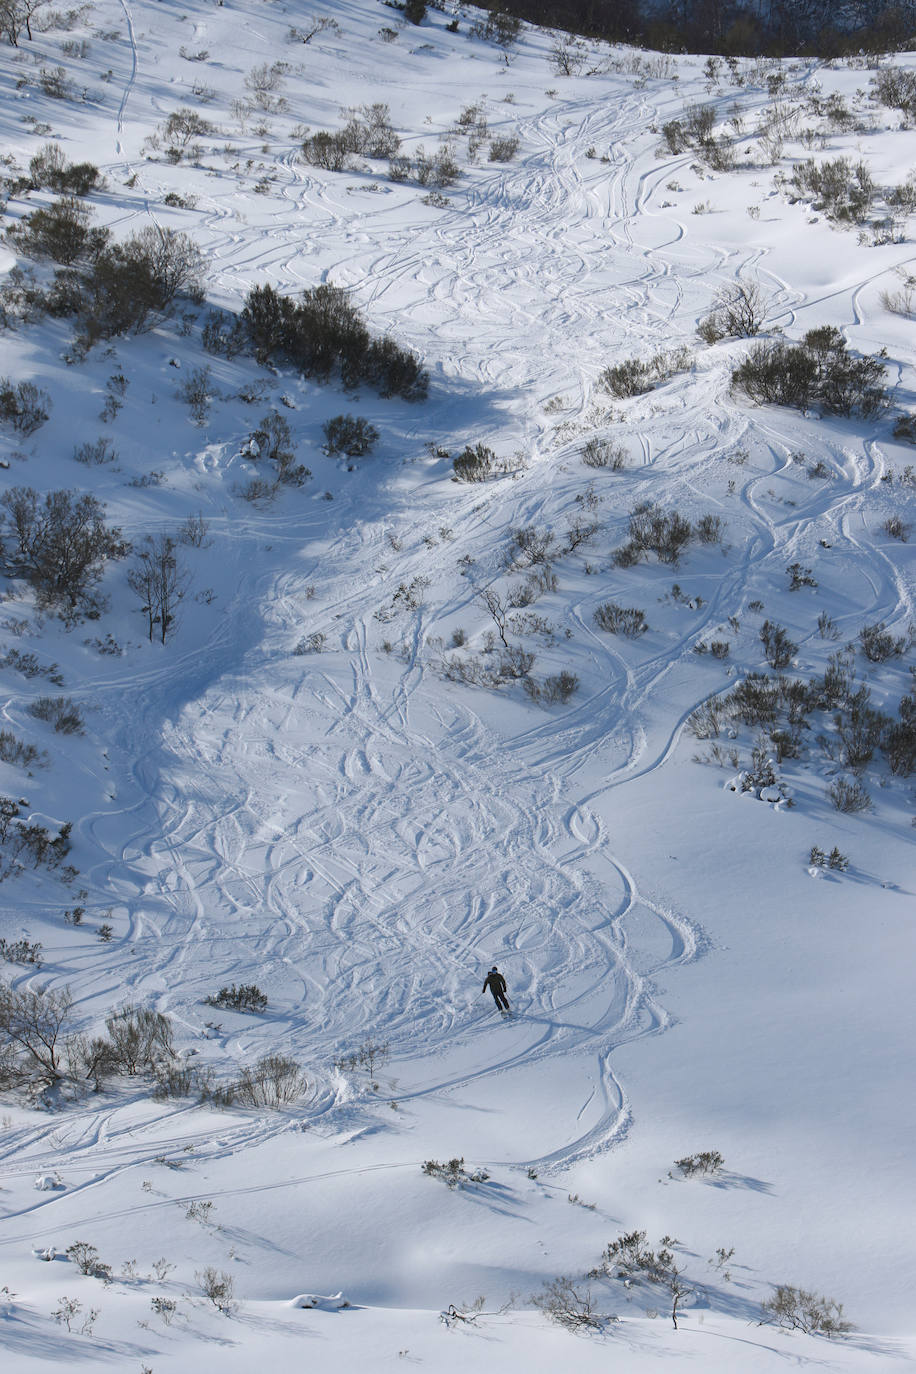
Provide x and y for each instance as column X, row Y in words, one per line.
column 295, row 791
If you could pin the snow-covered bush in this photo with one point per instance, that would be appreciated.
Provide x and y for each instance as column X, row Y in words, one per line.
column 634, row 376
column 453, row 1172
column 842, row 189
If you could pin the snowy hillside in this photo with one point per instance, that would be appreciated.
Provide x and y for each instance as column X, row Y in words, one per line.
column 632, row 716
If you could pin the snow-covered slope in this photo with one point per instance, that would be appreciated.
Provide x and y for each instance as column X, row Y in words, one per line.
column 296, row 792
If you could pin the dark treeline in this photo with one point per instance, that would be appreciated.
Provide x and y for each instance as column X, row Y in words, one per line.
column 732, row 27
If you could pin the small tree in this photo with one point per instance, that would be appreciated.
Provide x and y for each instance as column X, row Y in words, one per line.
column 161, row 582
column 474, row 464
column 738, row 312
column 33, row 1021
column 60, row 545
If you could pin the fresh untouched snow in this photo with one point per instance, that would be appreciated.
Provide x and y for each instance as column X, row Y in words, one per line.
column 293, row 793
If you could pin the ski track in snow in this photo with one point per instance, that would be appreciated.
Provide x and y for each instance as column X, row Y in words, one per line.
column 370, row 813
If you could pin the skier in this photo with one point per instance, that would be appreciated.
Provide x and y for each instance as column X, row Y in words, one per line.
column 497, row 985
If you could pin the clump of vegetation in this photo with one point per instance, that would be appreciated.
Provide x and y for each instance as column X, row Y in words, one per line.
column 620, row 620
column 323, row 333
column 50, row 168
column 244, row 997
column 474, row 463
column 110, row 288
column 86, row 1258
column 653, row 530
column 635, row 376
column 795, row 1309
column 453, row 1172
column 61, row 712
column 706, row 1162
column 817, row 371
column 350, row 434
column 603, row 453
column 23, row 405
column 629, row 1255
column 841, row 189
column 60, row 545
column 834, row 860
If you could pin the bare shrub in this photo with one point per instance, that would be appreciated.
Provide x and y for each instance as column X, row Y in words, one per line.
column 86, row 1259
column 819, row 369
column 556, row 689
column 604, row 453
column 878, row 644
column 61, row 712
column 196, row 390
column 777, row 646
column 95, row 453
column 795, row 1309
column 23, row 405
column 635, row 376
column 437, row 169
column 218, row 1287
column 161, row 582
column 32, row 1022
column 329, row 151
column 568, row 1305
column 503, row 149
column 138, row 1038
column 710, row 529
column 895, row 87
column 619, row 620
column 181, row 127
column 274, row 1081
column 16, row 752
column 738, row 312
column 848, row 797
column 654, row 529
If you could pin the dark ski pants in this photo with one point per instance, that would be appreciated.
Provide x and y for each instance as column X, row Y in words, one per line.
column 501, row 1000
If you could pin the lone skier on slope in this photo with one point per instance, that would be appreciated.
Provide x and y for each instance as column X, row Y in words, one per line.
column 497, row 985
